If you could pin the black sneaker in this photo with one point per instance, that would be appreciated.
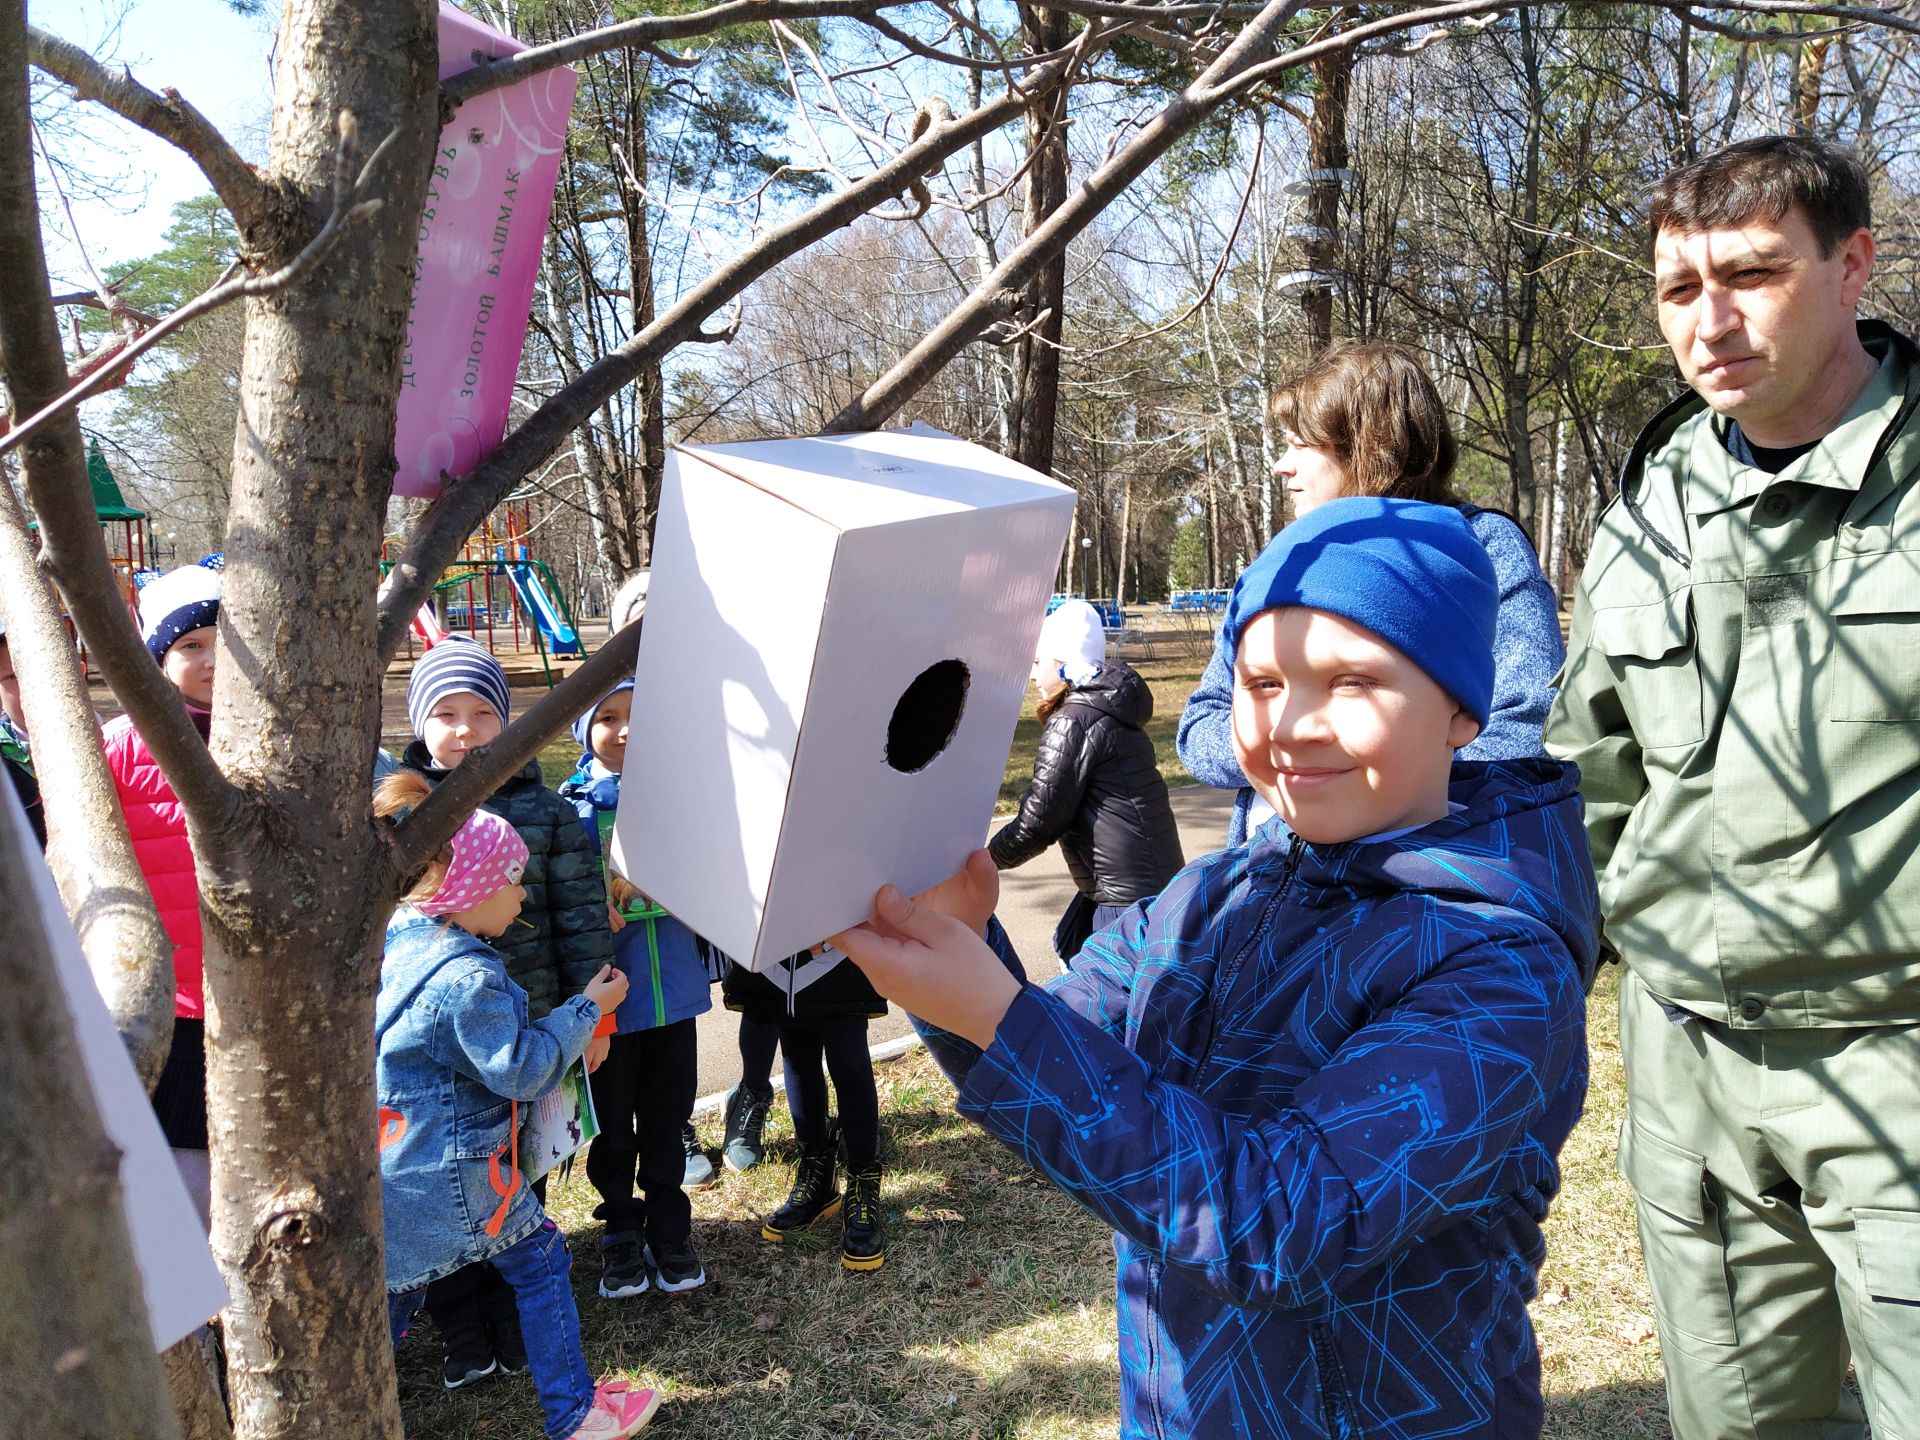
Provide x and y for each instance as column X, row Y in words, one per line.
column 465, row 1364
column 676, row 1268
column 812, row 1197
column 509, row 1349
column 699, row 1171
column 863, row 1237
column 623, row 1267
column 743, row 1148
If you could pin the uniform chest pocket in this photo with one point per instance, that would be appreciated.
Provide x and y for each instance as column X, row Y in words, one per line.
column 1872, row 666
column 1652, row 652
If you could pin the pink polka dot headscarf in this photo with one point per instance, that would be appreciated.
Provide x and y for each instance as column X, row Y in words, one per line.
column 488, row 855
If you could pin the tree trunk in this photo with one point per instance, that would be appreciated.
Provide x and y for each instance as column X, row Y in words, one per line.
column 1809, row 81
column 1326, row 157
column 993, row 370
column 75, row 1351
column 294, row 890
column 196, row 1394
column 640, row 492
column 1528, row 249
column 1042, row 312
column 1126, row 536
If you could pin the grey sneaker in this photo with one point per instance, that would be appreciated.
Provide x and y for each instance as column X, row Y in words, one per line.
column 744, row 1147
column 699, row 1169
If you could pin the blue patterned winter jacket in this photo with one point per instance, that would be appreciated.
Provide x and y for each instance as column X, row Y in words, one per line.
column 456, row 1052
column 1318, row 1092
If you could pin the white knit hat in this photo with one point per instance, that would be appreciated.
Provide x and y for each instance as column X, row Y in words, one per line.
column 1074, row 638
column 178, row 601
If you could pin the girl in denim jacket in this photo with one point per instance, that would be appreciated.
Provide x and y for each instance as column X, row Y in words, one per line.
column 456, row 1056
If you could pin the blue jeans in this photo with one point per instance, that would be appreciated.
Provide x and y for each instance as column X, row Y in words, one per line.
column 537, row 1269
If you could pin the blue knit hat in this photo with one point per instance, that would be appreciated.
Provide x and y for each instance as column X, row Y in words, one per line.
column 176, row 602
column 1412, row 573
column 454, row 665
column 585, row 722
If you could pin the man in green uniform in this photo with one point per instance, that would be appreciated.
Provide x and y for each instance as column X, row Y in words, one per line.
column 1742, row 695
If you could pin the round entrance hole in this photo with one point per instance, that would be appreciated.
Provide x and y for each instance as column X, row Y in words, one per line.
column 927, row 715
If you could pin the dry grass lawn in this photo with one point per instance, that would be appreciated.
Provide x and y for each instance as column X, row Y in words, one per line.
column 994, row 1314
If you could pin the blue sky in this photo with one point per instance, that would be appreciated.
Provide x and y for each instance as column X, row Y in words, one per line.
column 216, row 59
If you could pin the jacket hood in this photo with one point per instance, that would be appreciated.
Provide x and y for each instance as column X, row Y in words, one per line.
column 1116, row 690
column 415, row 757
column 1517, row 841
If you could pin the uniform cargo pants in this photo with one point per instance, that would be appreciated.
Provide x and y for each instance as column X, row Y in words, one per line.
column 1776, row 1173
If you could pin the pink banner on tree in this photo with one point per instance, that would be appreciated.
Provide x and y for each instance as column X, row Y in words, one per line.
column 480, row 239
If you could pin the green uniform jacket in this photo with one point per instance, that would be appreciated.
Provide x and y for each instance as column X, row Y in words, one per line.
column 1742, row 696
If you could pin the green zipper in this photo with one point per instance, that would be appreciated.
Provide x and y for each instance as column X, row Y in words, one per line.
column 648, row 914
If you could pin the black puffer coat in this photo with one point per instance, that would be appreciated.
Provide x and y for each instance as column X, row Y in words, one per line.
column 1097, row 790
column 562, row 937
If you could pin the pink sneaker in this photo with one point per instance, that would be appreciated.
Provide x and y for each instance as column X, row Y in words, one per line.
column 618, row 1410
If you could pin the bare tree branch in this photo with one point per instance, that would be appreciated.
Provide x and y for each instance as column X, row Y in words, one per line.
column 647, row 31
column 418, row 838
column 465, row 502
column 967, row 321
column 88, row 850
column 101, row 375
column 88, row 300
column 167, row 115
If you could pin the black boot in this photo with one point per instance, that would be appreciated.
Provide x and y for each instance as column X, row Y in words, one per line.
column 863, row 1240
column 812, row 1198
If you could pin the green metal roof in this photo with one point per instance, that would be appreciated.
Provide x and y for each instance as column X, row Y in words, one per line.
column 108, row 502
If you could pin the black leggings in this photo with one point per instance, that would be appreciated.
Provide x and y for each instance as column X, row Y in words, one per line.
column 758, row 1041
column 842, row 1043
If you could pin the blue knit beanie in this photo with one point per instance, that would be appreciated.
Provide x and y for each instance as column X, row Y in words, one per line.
column 455, row 664
column 1412, row 573
column 585, row 722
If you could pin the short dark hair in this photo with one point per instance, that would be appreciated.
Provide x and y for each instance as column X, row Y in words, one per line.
column 1765, row 178
column 1372, row 406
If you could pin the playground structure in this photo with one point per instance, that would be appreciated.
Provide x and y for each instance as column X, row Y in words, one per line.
column 126, row 533
column 499, row 595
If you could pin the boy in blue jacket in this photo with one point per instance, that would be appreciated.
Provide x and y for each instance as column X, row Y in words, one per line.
column 1318, row 1085
column 643, row 1090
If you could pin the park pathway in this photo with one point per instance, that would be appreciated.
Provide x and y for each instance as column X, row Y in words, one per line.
column 1031, row 899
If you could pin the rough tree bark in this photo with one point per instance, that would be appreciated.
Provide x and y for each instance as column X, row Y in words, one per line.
column 1326, row 162
column 74, row 1342
column 1042, row 313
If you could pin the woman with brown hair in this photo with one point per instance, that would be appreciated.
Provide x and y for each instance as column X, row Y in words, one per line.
column 1364, row 418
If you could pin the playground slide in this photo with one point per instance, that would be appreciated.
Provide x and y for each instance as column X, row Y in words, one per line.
column 561, row 639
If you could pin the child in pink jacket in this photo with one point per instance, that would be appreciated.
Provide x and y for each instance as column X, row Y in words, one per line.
column 177, row 614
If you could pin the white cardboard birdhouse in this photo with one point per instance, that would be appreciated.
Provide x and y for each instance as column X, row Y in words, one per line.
column 838, row 634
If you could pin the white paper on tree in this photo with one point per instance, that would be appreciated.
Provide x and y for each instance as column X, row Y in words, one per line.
column 177, row 1274
column 839, row 631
